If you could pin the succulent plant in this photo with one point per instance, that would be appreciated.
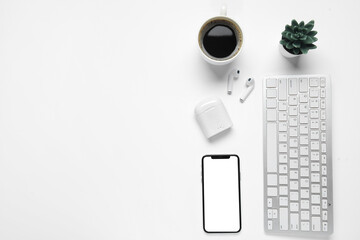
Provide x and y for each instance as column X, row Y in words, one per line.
column 299, row 37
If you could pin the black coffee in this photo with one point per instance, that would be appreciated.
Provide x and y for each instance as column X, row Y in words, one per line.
column 220, row 41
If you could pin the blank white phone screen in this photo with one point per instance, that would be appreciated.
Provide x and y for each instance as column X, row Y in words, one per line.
column 221, row 197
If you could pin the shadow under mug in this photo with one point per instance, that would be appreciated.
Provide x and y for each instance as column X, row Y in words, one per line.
column 216, row 21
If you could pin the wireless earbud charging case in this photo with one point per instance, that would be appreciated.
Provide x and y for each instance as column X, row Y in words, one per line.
column 212, row 117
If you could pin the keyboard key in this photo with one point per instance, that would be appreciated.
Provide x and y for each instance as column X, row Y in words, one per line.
column 293, row 86
column 314, row 82
column 294, row 207
column 293, row 101
column 293, row 131
column 294, row 174
column 322, row 114
column 314, row 145
column 294, row 185
column 271, row 82
column 315, row 199
column 314, row 135
column 271, row 93
column 293, row 111
column 293, row 153
column 272, row 192
column 324, row 203
column 272, row 179
column 314, row 156
column 283, row 169
column 304, row 193
column 315, row 210
column 314, row 92
column 314, row 103
column 304, row 204
column 304, row 172
column 323, row 170
column 304, row 182
column 314, row 124
column 324, row 181
column 283, row 190
column 271, row 103
column 293, row 142
column 271, row 149
column 282, row 116
column 283, row 148
column 324, row 192
column 304, row 118
column 269, row 225
column 322, row 82
column 269, row 213
column 283, row 179
column 304, row 151
column 305, row 226
column 284, row 218
column 271, row 115
column 282, row 106
column 322, row 103
column 294, row 221
column 304, row 161
column 294, row 163
column 315, row 188
column 282, row 137
column 275, row 213
column 269, row 202
column 282, row 126
column 324, row 215
column 315, row 177
column 282, row 89
column 322, row 92
column 315, row 224
column 283, row 201
column 294, row 196
column 304, row 129
column 303, row 83
column 314, row 113
column 304, row 108
column 315, row 167
column 304, row 98
column 305, row 215
column 283, row 158
column 325, row 226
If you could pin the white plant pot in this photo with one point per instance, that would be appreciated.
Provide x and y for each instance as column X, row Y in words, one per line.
column 286, row 53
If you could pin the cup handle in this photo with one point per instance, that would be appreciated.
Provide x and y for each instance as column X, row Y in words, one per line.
column 223, row 10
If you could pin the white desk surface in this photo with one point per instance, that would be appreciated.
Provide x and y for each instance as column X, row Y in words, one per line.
column 97, row 133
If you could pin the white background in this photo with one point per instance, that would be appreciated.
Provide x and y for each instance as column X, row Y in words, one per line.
column 97, row 133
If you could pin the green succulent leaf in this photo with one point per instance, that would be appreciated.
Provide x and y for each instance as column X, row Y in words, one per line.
column 303, row 38
column 289, row 45
column 315, row 39
column 312, row 33
column 283, row 42
column 294, row 23
column 310, row 25
column 309, row 40
column 296, row 51
column 301, row 24
column 288, row 28
column 296, row 44
column 311, row 46
column 304, row 50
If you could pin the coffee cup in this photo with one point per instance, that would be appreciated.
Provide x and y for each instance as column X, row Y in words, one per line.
column 220, row 39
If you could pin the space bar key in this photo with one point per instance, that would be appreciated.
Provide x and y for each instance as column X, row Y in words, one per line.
column 271, row 147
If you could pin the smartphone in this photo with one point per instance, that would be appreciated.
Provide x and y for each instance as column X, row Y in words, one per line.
column 221, row 193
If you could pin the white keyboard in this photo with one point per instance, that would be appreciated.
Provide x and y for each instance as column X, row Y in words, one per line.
column 297, row 155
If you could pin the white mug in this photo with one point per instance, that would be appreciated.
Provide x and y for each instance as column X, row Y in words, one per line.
column 215, row 21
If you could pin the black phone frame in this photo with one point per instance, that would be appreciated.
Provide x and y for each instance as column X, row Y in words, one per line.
column 220, row 156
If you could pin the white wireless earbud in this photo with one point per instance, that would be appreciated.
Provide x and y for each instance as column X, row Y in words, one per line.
column 250, row 84
column 234, row 74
